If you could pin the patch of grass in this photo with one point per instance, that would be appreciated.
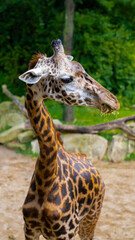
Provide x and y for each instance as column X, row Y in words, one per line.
column 54, row 108
column 86, row 116
column 3, row 130
column 110, row 133
column 106, row 159
column 131, row 157
column 28, row 151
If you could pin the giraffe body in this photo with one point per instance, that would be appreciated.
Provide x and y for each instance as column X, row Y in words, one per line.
column 66, row 192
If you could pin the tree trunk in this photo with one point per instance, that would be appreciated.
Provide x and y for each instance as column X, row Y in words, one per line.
column 68, row 113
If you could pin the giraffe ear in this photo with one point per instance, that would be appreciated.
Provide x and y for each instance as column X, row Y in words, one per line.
column 70, row 57
column 34, row 75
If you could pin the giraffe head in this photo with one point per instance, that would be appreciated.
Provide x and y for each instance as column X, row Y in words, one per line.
column 61, row 79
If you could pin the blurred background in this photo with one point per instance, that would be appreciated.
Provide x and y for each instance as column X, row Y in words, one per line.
column 102, row 39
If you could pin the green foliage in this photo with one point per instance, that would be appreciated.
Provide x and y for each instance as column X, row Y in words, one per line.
column 106, row 49
column 28, row 27
column 28, row 151
column 131, row 157
column 104, row 34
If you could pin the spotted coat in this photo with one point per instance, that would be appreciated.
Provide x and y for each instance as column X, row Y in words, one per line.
column 66, row 191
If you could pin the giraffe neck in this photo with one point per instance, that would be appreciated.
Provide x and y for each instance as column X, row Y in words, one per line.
column 46, row 134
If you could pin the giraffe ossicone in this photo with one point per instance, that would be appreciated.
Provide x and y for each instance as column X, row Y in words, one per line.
column 66, row 192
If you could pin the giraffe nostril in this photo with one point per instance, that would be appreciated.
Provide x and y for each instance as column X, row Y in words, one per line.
column 113, row 96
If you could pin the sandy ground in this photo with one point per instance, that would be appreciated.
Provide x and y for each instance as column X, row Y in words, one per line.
column 117, row 220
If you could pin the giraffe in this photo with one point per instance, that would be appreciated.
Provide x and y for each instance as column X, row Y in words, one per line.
column 66, row 191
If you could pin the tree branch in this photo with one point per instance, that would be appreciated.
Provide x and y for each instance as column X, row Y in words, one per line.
column 117, row 124
column 15, row 100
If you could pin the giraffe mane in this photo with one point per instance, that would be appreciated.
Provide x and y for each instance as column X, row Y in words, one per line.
column 34, row 60
column 59, row 138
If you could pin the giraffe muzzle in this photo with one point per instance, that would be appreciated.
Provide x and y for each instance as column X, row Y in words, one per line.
column 110, row 105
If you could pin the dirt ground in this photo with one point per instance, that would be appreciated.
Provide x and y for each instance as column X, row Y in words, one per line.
column 117, row 220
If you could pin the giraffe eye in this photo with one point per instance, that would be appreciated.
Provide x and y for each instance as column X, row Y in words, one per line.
column 66, row 79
